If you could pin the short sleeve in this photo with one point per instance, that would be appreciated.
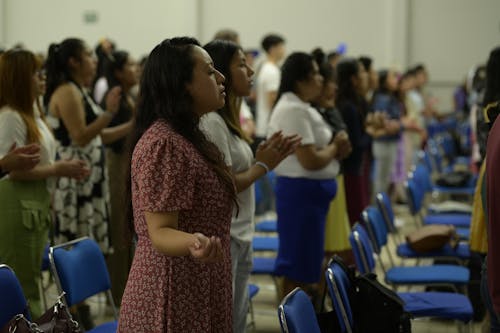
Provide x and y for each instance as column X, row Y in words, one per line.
column 165, row 177
column 217, row 132
column 298, row 122
column 12, row 130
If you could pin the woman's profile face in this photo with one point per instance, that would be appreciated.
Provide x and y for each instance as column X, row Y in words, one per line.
column 207, row 84
column 311, row 88
column 87, row 65
column 328, row 93
column 128, row 75
column 241, row 75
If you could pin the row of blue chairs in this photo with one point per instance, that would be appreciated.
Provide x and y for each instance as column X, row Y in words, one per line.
column 79, row 270
column 296, row 312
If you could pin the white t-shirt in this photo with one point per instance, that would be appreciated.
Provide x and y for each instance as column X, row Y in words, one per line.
column 268, row 80
column 239, row 157
column 13, row 130
column 293, row 116
column 100, row 89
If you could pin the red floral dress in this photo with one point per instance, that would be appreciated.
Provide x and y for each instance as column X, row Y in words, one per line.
column 177, row 294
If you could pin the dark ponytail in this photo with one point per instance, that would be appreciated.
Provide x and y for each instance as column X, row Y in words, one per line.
column 58, row 71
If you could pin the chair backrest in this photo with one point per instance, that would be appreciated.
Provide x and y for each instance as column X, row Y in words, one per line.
column 415, row 195
column 375, row 225
column 12, row 300
column 435, row 155
column 362, row 249
column 423, row 177
column 338, row 284
column 80, row 270
column 296, row 313
column 385, row 206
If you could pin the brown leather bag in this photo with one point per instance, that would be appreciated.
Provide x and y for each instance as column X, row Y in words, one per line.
column 432, row 237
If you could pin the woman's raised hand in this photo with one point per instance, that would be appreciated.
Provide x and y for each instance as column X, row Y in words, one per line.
column 275, row 149
column 21, row 158
column 206, row 249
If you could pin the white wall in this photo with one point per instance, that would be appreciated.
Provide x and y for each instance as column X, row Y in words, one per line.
column 451, row 36
column 2, row 23
column 365, row 26
column 135, row 25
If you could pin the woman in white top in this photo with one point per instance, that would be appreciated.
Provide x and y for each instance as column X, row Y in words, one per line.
column 306, row 180
column 223, row 128
column 24, row 195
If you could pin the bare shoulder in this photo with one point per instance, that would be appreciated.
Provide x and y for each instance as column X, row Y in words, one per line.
column 66, row 95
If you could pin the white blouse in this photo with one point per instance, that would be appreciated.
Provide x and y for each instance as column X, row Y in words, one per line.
column 14, row 130
column 291, row 115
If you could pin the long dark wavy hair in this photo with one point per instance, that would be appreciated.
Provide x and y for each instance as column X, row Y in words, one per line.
column 222, row 53
column 163, row 96
column 58, row 71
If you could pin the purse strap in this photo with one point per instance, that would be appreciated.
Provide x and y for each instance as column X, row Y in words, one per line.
column 19, row 319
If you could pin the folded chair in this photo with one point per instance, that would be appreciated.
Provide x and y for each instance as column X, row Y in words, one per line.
column 435, row 275
column 80, row 271
column 296, row 313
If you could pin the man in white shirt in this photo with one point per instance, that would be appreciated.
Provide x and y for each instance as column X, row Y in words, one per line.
column 268, row 81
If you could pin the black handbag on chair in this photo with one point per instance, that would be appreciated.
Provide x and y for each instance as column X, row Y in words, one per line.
column 56, row 319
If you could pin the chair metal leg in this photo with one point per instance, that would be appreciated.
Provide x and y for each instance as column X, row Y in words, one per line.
column 42, row 291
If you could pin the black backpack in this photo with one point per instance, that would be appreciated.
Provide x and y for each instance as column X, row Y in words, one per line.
column 378, row 309
column 375, row 308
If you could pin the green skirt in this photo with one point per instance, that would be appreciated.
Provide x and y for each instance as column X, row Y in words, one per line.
column 24, row 224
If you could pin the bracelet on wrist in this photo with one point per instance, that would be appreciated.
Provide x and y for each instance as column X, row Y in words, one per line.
column 263, row 165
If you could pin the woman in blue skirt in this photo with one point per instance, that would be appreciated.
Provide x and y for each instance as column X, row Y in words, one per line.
column 306, row 180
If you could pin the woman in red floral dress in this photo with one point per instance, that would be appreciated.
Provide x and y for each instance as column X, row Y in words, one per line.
column 182, row 199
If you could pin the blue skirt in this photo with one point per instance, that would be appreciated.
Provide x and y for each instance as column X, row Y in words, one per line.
column 302, row 205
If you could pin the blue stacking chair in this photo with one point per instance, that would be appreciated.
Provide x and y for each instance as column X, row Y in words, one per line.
column 442, row 305
column 267, row 226
column 12, row 301
column 339, row 285
column 423, row 175
column 377, row 230
column 296, row 314
column 416, row 196
column 448, row 275
column 253, row 290
column 384, row 203
column 80, row 271
column 265, row 244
